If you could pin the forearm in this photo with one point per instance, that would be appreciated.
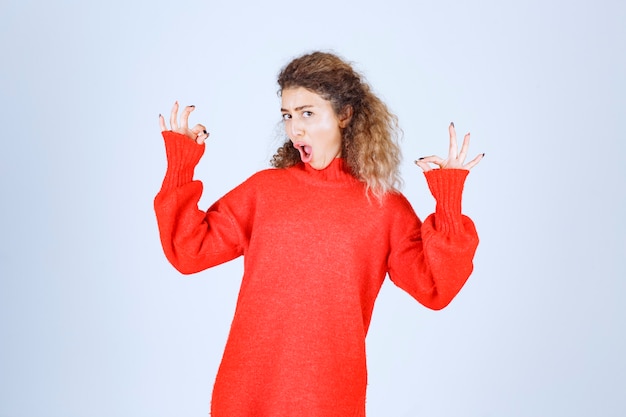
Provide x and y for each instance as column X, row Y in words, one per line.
column 192, row 239
column 434, row 259
column 182, row 157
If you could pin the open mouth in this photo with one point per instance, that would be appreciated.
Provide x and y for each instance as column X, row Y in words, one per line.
column 306, row 151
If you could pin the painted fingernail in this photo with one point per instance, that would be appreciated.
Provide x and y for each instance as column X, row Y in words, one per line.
column 419, row 159
column 193, row 105
column 206, row 133
column 452, row 124
column 483, row 154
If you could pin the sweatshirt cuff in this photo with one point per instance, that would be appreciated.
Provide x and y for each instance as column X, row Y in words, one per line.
column 446, row 185
column 183, row 155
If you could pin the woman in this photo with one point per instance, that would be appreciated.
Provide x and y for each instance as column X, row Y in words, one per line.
column 318, row 233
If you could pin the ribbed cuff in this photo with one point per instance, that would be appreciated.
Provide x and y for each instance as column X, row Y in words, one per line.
column 182, row 157
column 446, row 185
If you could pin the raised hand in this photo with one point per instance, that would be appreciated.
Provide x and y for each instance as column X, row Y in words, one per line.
column 455, row 159
column 198, row 133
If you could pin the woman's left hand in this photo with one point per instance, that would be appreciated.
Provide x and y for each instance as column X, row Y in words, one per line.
column 455, row 159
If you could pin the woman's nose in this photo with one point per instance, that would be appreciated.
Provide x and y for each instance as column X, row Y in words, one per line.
column 295, row 128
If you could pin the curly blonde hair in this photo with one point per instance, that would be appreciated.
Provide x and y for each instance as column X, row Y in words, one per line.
column 369, row 141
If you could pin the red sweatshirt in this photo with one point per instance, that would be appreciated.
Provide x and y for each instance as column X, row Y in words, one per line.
column 316, row 251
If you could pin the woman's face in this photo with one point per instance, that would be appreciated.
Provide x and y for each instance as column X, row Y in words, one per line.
column 312, row 126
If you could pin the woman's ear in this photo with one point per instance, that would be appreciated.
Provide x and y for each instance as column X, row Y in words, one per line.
column 345, row 116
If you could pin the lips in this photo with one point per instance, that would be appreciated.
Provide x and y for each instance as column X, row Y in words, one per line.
column 306, row 151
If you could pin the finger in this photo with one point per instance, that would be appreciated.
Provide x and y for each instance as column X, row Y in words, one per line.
column 202, row 137
column 184, row 116
column 162, row 123
column 453, row 146
column 425, row 167
column 434, row 159
column 198, row 129
column 464, row 148
column 201, row 133
column 174, row 116
column 471, row 164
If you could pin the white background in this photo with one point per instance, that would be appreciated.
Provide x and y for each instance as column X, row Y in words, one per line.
column 95, row 322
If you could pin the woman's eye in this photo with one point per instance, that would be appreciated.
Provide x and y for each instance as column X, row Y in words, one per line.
column 307, row 114
column 286, row 116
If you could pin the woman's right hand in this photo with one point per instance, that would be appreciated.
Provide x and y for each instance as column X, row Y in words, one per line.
column 198, row 133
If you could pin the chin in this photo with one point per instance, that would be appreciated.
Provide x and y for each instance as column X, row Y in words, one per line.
column 319, row 165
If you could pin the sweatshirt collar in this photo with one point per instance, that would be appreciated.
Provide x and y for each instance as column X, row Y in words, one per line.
column 337, row 171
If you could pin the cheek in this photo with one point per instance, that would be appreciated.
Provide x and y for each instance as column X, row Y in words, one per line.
column 328, row 126
column 287, row 129
column 334, row 131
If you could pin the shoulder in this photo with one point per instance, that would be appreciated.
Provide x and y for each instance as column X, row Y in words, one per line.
column 397, row 201
column 398, row 210
column 269, row 175
column 400, row 217
column 264, row 181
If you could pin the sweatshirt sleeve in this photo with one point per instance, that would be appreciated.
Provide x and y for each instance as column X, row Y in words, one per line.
column 433, row 260
column 192, row 239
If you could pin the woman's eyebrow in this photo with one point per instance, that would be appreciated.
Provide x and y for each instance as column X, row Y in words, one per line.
column 298, row 108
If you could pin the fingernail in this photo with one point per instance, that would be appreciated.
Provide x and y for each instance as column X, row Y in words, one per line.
column 206, row 133
column 160, row 115
column 419, row 159
column 483, row 154
column 193, row 105
column 452, row 124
